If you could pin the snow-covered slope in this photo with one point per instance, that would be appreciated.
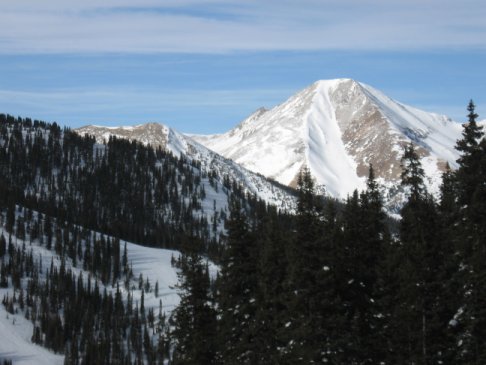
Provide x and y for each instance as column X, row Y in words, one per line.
column 15, row 343
column 338, row 128
column 153, row 264
column 159, row 135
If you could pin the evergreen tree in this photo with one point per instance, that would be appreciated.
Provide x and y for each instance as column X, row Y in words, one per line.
column 368, row 259
column 470, row 159
column 3, row 246
column 237, row 288
column 10, row 223
column 312, row 305
column 195, row 318
column 471, row 231
column 420, row 303
column 413, row 174
column 452, row 280
column 272, row 274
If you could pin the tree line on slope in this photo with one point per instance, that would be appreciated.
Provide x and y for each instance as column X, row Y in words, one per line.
column 91, row 319
column 334, row 286
column 121, row 188
column 55, row 189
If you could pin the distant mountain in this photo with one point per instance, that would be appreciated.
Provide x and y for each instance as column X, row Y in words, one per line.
column 159, row 135
column 154, row 134
column 338, row 128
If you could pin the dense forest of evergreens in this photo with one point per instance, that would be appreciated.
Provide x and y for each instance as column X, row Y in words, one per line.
column 331, row 284
column 120, row 188
column 334, row 286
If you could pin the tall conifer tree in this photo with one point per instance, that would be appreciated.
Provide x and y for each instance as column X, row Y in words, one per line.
column 237, row 288
column 195, row 318
column 420, row 271
column 471, row 186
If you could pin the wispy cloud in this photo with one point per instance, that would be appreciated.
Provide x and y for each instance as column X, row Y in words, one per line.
column 205, row 26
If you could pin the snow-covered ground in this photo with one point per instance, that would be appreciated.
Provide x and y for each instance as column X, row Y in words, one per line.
column 155, row 263
column 15, row 343
column 152, row 263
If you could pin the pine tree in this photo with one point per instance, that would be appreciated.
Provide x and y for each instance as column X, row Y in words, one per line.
column 420, row 302
column 470, row 160
column 195, row 318
column 237, row 286
column 451, row 283
column 10, row 223
column 272, row 274
column 3, row 246
column 413, row 173
column 312, row 323
column 471, row 187
column 369, row 260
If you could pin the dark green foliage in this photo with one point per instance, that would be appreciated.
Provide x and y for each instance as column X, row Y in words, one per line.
column 237, row 287
column 271, row 298
column 421, row 272
column 468, row 175
column 413, row 173
column 470, row 239
column 194, row 331
column 3, row 246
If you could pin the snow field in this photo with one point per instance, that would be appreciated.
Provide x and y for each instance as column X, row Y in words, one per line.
column 153, row 263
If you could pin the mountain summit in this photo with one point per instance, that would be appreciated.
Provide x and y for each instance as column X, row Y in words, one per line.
column 337, row 128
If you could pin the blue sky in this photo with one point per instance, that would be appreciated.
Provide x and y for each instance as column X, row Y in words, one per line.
column 202, row 66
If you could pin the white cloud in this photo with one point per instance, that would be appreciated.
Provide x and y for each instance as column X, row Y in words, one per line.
column 205, row 26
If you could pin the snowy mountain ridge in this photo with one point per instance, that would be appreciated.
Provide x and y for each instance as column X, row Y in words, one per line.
column 159, row 135
column 338, row 128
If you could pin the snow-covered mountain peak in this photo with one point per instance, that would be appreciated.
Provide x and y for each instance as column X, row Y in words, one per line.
column 338, row 128
column 148, row 133
column 154, row 134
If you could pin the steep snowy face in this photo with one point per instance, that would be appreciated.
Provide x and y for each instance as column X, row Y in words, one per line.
column 338, row 128
column 376, row 129
column 269, row 142
column 303, row 131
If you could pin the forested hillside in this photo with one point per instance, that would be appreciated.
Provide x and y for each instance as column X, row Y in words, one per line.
column 335, row 286
column 65, row 204
column 120, row 188
column 330, row 284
